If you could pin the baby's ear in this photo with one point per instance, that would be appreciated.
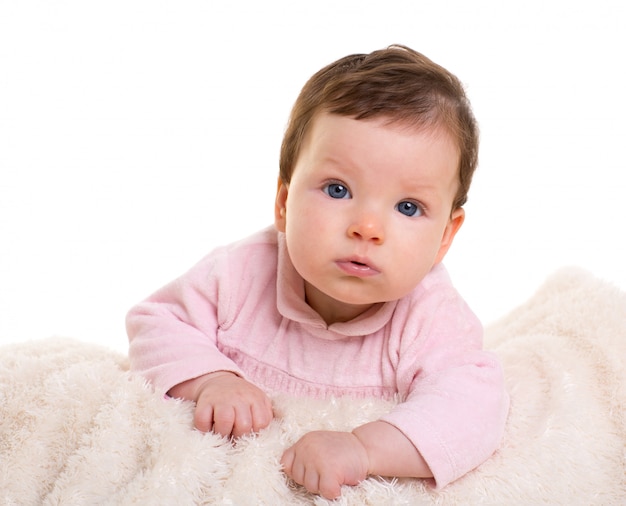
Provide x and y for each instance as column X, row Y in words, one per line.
column 454, row 224
column 280, row 206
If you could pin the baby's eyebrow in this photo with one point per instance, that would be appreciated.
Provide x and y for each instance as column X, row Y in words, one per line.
column 343, row 165
column 420, row 187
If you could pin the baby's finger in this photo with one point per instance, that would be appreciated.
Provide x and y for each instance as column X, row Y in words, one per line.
column 262, row 415
column 287, row 461
column 311, row 481
column 203, row 418
column 329, row 487
column 223, row 420
column 243, row 421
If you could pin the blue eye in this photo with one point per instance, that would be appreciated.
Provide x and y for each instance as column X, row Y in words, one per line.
column 409, row 208
column 337, row 191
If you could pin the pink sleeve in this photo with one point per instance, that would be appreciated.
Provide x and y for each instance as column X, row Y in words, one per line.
column 173, row 333
column 456, row 404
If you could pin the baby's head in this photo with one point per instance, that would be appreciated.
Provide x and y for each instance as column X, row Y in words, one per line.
column 398, row 84
column 375, row 167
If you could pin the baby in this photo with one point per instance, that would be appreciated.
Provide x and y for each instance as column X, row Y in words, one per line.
column 346, row 293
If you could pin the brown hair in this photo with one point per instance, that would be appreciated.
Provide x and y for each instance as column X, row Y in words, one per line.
column 397, row 83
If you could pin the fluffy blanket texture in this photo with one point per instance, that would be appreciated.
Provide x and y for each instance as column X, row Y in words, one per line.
column 76, row 428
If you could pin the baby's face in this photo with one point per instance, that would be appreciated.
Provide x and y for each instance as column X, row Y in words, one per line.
column 368, row 211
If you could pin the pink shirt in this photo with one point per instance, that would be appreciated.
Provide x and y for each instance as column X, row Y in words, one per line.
column 242, row 309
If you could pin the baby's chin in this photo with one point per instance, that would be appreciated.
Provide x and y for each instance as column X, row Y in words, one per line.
column 352, row 299
column 357, row 299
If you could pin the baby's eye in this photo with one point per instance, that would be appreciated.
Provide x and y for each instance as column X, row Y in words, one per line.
column 409, row 208
column 337, row 191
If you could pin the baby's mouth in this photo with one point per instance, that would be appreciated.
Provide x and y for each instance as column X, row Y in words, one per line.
column 357, row 267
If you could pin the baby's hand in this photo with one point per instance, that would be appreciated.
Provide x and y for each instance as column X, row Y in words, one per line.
column 322, row 461
column 229, row 405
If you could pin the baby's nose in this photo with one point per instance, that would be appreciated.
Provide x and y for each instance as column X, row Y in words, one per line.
column 367, row 228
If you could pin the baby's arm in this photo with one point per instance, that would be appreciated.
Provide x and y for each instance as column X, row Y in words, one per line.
column 226, row 403
column 322, row 461
column 174, row 344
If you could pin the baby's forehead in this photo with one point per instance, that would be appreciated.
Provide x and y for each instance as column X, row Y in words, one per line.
column 376, row 141
column 424, row 126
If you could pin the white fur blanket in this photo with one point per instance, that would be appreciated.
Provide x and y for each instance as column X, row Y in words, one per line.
column 75, row 428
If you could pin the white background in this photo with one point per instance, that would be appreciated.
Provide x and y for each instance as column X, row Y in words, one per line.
column 135, row 136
